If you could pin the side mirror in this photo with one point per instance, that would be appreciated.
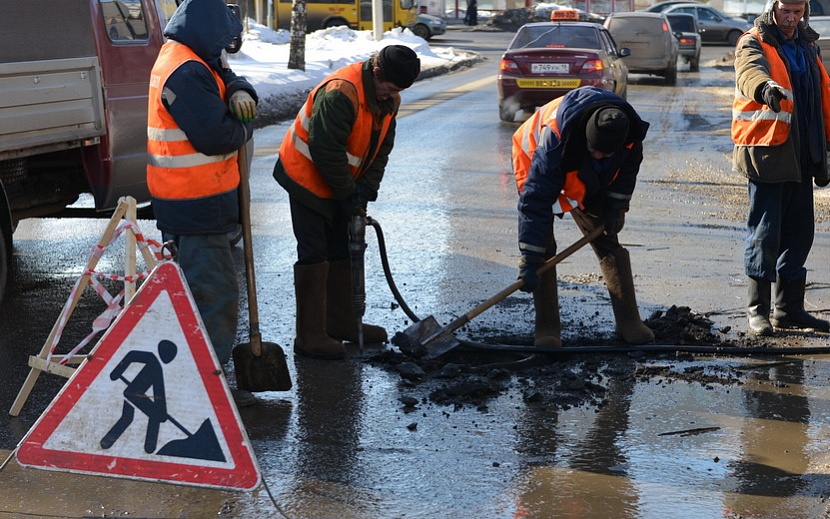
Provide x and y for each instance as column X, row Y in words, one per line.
column 624, row 52
column 236, row 44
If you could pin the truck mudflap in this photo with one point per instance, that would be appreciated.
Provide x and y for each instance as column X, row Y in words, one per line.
column 50, row 105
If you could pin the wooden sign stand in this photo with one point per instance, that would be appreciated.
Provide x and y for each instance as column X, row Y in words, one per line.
column 42, row 362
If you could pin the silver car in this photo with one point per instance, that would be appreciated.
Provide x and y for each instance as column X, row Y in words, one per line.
column 654, row 48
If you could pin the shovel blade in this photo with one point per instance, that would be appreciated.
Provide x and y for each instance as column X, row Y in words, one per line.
column 415, row 337
column 201, row 445
column 265, row 372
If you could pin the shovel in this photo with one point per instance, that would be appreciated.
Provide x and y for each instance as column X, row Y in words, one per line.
column 259, row 366
column 428, row 339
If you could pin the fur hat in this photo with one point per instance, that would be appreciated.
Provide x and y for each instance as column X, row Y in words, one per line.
column 399, row 64
column 607, row 130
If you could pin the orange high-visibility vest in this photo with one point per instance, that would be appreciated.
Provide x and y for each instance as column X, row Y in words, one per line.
column 755, row 124
column 175, row 170
column 294, row 150
column 525, row 141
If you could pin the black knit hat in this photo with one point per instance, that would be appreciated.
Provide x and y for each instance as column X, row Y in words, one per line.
column 399, row 64
column 607, row 130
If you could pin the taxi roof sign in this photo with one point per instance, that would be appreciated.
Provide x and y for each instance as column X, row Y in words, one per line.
column 561, row 15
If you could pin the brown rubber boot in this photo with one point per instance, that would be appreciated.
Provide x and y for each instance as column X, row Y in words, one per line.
column 341, row 322
column 616, row 269
column 547, row 333
column 310, row 290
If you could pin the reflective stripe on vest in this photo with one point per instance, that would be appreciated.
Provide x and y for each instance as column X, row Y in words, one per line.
column 755, row 124
column 295, row 154
column 175, row 170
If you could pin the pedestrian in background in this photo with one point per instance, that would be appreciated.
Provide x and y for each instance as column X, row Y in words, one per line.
column 781, row 113
column 580, row 153
column 331, row 163
column 471, row 15
column 199, row 116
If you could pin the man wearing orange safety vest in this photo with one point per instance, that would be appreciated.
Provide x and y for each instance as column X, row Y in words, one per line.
column 780, row 118
column 331, row 163
column 580, row 154
column 198, row 117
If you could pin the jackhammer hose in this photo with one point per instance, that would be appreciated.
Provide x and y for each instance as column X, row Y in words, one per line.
column 387, row 272
column 576, row 350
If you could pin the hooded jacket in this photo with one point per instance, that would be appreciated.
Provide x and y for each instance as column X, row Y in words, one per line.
column 759, row 153
column 562, row 156
column 192, row 97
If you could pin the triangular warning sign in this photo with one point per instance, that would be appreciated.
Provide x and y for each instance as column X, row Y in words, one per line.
column 150, row 402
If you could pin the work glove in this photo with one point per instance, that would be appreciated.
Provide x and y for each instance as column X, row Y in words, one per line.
column 528, row 265
column 243, row 106
column 773, row 94
column 614, row 221
column 355, row 204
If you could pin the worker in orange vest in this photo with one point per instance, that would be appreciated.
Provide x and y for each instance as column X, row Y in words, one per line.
column 579, row 154
column 331, row 163
column 199, row 116
column 780, row 121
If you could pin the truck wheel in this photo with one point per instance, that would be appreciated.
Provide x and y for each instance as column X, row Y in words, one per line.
column 335, row 22
column 5, row 261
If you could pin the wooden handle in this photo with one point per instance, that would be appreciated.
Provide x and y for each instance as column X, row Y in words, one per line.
column 546, row 266
column 248, row 248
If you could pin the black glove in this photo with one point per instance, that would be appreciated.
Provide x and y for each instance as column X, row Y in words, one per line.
column 356, row 202
column 528, row 265
column 773, row 94
column 614, row 221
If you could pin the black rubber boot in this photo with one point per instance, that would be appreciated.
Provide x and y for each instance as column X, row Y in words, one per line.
column 758, row 306
column 789, row 311
column 547, row 332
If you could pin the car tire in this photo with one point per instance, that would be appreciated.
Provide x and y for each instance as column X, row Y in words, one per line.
column 420, row 30
column 694, row 64
column 733, row 37
column 506, row 114
column 671, row 75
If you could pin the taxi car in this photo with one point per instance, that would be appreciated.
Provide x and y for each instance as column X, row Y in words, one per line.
column 546, row 60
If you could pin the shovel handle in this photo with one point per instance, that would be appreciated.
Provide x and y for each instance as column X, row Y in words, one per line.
column 248, row 249
column 546, row 266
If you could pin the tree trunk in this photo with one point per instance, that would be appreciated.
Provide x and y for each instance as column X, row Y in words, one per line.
column 296, row 53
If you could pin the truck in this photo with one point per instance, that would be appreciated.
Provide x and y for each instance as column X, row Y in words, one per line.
column 74, row 80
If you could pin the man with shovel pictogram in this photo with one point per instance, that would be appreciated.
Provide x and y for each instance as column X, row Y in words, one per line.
column 145, row 392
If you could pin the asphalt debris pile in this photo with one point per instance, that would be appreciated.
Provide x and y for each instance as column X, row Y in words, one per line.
column 471, row 377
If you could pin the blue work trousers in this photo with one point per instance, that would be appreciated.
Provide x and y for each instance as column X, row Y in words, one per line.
column 780, row 229
column 209, row 270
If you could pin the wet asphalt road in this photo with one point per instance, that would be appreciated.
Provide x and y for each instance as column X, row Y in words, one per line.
column 341, row 445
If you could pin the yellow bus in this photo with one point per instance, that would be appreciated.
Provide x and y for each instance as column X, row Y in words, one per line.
column 323, row 14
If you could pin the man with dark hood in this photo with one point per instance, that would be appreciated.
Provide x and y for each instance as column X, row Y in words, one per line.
column 580, row 153
column 331, row 163
column 199, row 116
column 780, row 117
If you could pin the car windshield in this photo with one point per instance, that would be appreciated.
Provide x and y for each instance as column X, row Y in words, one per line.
column 558, row 36
column 682, row 23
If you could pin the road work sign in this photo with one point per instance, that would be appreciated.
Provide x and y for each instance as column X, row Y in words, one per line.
column 150, row 402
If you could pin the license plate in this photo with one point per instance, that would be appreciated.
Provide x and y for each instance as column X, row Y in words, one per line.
column 548, row 83
column 552, row 68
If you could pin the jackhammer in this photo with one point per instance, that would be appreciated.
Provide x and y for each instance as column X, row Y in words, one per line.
column 357, row 248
